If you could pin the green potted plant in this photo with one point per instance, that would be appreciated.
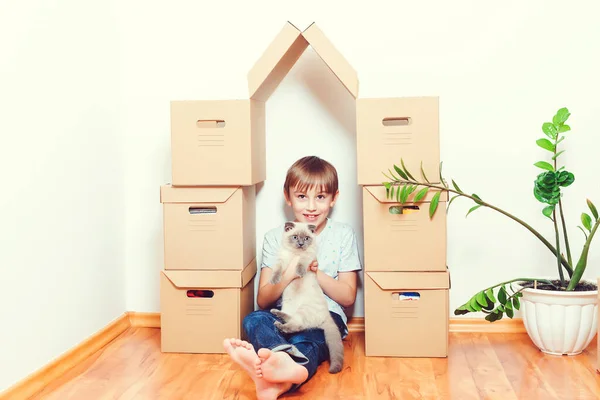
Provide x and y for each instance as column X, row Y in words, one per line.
column 568, row 327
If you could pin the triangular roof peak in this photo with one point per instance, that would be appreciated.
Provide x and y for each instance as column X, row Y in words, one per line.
column 283, row 52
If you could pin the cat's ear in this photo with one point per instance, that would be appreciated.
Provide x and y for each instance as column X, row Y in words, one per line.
column 312, row 228
column 289, row 226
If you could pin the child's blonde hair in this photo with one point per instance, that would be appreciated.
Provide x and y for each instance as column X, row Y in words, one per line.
column 309, row 172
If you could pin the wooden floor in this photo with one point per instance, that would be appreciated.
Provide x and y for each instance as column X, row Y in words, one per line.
column 479, row 366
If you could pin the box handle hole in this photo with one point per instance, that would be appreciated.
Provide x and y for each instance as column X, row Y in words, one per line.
column 406, row 296
column 207, row 294
column 406, row 209
column 210, row 123
column 396, row 121
column 203, row 210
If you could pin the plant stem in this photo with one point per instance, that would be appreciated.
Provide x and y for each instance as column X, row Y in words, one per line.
column 560, row 272
column 562, row 219
column 519, row 280
column 565, row 264
column 582, row 263
column 564, row 226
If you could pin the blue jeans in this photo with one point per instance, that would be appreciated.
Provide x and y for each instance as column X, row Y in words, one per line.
column 307, row 348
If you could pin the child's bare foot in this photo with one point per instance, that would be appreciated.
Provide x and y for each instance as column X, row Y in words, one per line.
column 243, row 354
column 279, row 367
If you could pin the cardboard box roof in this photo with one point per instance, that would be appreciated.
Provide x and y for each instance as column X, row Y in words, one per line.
column 283, row 52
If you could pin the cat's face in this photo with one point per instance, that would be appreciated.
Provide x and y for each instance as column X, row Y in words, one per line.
column 298, row 235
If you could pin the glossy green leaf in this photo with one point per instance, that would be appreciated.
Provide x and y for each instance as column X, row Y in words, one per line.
column 423, row 173
column 406, row 170
column 450, row 202
column 474, row 304
column 481, row 299
column 400, row 172
column 502, row 295
column 545, row 144
column 592, row 208
column 586, row 220
column 509, row 310
column 421, row 194
column 562, row 115
column 494, row 316
column 456, row 186
column 547, row 211
column 564, row 128
column 554, row 157
column 516, row 302
column 403, row 194
column 490, row 295
column 461, row 310
column 544, row 165
column 549, row 129
column 478, row 199
column 434, row 204
column 472, row 209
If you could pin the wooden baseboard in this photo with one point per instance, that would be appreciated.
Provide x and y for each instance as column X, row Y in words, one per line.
column 476, row 325
column 144, row 320
column 39, row 379
column 357, row 324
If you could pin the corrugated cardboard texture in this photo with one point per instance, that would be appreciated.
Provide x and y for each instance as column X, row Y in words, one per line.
column 400, row 324
column 209, row 228
column 200, row 324
column 218, row 142
column 402, row 242
column 283, row 52
column 390, row 129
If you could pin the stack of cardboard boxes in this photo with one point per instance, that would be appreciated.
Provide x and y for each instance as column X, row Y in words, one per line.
column 218, row 156
column 406, row 282
column 206, row 288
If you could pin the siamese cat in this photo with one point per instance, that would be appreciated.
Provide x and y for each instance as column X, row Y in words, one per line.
column 303, row 302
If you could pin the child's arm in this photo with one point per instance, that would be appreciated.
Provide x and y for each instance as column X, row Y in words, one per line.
column 269, row 293
column 342, row 290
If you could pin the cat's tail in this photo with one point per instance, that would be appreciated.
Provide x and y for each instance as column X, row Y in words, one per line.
column 333, row 339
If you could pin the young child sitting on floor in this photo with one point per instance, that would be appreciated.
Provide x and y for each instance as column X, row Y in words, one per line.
column 283, row 361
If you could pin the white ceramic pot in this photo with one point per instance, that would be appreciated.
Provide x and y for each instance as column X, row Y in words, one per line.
column 560, row 323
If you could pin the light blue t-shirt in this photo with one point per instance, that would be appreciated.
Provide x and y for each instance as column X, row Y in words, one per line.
column 337, row 252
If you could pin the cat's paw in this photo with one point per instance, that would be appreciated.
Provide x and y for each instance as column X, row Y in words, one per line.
column 280, row 314
column 278, row 325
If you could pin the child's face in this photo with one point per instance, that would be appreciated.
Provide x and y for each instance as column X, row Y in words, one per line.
column 311, row 206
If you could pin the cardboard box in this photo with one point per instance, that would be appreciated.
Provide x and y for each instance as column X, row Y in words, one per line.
column 283, row 52
column 391, row 129
column 403, row 242
column 407, row 314
column 199, row 309
column 220, row 142
column 209, row 228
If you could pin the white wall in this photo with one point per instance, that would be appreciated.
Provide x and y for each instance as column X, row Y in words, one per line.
column 500, row 71
column 61, row 252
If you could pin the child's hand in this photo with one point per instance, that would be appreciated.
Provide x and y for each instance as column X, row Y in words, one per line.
column 314, row 266
column 290, row 271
